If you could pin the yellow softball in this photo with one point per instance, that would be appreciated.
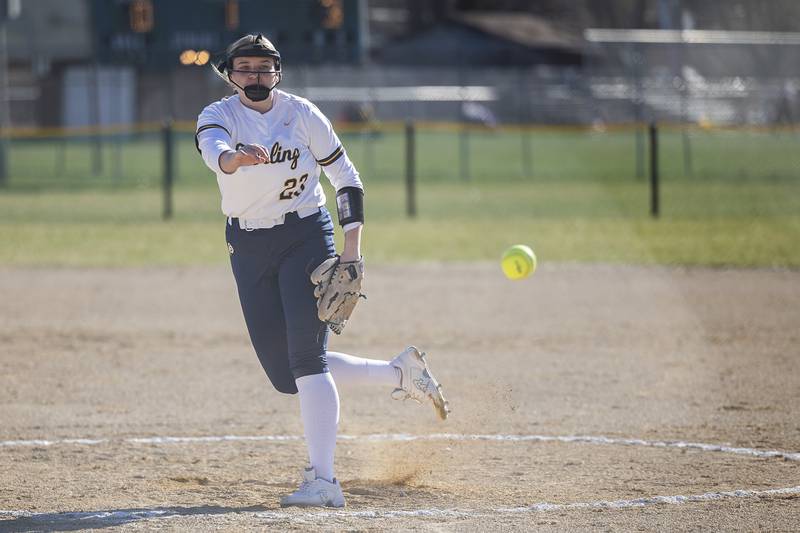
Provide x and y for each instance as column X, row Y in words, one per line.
column 518, row 262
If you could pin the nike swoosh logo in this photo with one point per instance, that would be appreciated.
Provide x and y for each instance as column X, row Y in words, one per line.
column 287, row 123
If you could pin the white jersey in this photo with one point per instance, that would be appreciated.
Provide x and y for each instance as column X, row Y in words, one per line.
column 300, row 141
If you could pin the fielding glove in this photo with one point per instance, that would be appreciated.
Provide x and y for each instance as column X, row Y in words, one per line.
column 338, row 289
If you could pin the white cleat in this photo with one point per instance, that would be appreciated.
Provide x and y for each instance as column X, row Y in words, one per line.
column 315, row 492
column 416, row 381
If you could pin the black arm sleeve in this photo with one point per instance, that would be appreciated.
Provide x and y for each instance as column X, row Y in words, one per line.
column 350, row 205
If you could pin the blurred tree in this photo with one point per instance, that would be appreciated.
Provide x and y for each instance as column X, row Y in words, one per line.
column 752, row 15
column 755, row 15
column 619, row 13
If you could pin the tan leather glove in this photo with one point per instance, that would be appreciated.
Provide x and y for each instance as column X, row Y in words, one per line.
column 338, row 289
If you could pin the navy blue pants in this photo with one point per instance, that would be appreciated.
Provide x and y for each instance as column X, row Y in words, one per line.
column 272, row 268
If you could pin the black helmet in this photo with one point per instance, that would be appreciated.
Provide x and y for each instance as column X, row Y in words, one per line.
column 247, row 46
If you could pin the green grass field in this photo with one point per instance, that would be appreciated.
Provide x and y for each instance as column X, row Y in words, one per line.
column 579, row 199
column 136, row 160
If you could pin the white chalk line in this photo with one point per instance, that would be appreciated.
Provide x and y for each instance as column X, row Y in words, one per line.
column 115, row 517
column 119, row 517
column 586, row 439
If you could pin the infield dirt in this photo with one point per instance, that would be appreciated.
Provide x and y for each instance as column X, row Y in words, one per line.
column 653, row 353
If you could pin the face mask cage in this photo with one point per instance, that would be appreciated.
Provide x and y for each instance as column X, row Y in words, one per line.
column 255, row 91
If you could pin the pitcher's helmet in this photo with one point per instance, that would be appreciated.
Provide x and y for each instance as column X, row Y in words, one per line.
column 247, row 46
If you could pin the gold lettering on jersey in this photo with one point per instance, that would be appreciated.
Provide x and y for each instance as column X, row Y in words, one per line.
column 278, row 155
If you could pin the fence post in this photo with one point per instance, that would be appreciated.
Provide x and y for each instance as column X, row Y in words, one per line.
column 411, row 171
column 3, row 159
column 654, row 207
column 95, row 119
column 638, row 127
column 525, row 124
column 169, row 163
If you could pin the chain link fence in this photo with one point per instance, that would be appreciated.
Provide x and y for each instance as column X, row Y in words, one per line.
column 726, row 111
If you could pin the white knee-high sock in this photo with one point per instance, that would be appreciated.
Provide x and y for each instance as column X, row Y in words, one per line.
column 319, row 407
column 350, row 370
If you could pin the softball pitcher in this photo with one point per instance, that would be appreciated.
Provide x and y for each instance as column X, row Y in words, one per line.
column 267, row 148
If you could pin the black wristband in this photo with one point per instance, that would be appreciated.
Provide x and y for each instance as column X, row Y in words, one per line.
column 350, row 205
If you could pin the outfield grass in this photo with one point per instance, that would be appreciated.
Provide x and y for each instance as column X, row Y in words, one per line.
column 579, row 199
column 702, row 224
